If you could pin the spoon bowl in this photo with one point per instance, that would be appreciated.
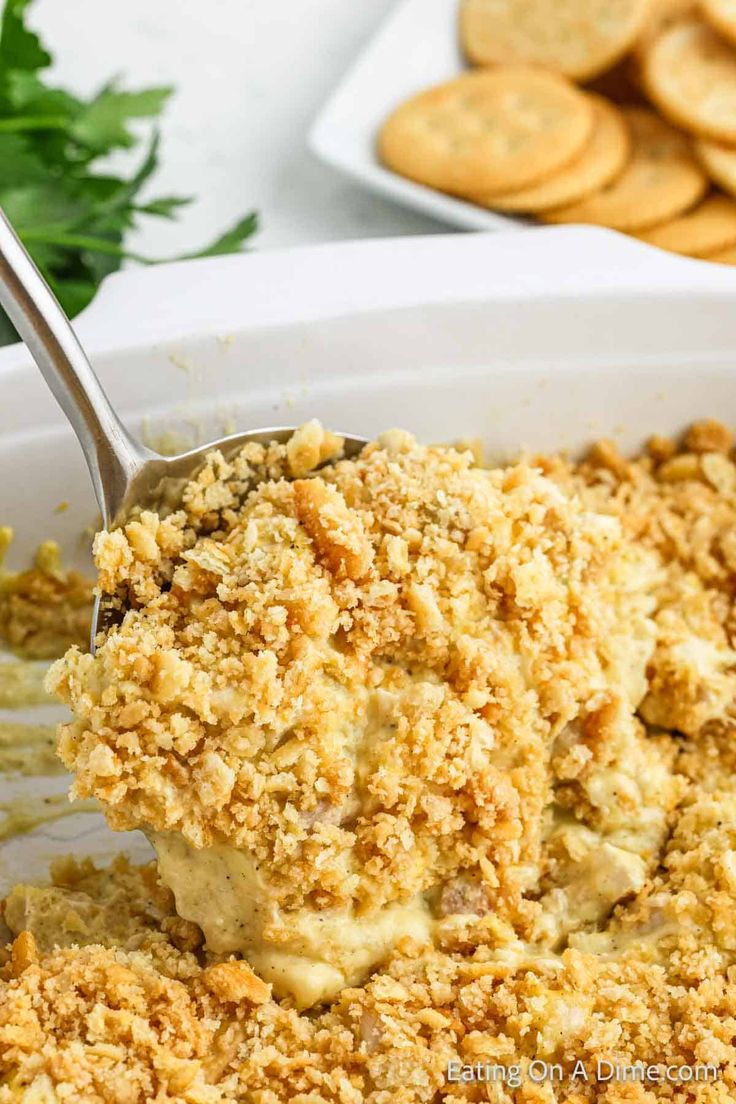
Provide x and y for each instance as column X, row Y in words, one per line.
column 156, row 483
column 126, row 476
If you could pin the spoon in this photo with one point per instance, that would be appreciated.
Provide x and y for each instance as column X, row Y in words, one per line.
column 125, row 474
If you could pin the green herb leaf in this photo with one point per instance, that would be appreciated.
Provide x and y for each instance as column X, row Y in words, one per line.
column 20, row 48
column 19, row 163
column 74, row 295
column 30, row 96
column 229, row 242
column 119, row 198
column 164, row 206
column 35, row 207
column 102, row 126
column 73, row 219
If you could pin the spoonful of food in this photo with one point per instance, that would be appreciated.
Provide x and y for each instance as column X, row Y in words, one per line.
column 126, row 476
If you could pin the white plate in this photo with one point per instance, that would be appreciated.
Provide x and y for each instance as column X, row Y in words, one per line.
column 416, row 47
column 546, row 339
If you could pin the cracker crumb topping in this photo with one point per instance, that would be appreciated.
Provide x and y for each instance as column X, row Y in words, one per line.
column 45, row 609
column 356, row 677
column 507, row 691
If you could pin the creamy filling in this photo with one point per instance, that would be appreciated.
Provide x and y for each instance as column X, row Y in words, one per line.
column 307, row 955
column 28, row 749
column 22, row 685
column 22, row 815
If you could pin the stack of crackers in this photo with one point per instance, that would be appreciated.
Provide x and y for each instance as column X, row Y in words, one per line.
column 620, row 113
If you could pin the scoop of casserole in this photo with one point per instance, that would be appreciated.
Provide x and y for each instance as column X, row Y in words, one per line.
column 340, row 693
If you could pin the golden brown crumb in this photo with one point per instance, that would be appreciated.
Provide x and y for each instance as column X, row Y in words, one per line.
column 339, row 539
column 309, row 446
column 680, row 469
column 234, row 982
column 605, row 454
column 23, row 953
column 661, row 448
column 708, row 436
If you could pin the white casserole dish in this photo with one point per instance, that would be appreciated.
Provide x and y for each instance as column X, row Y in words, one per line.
column 546, row 339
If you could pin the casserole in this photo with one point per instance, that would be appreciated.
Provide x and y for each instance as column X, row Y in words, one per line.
column 548, row 339
column 434, row 336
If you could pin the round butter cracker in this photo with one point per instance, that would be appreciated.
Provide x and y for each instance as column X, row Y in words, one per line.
column 723, row 256
column 487, row 131
column 661, row 180
column 708, row 229
column 721, row 14
column 662, row 15
column 689, row 72
column 602, row 159
column 579, row 38
column 719, row 162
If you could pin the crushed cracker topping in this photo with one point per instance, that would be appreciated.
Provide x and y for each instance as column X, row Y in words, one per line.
column 357, row 678
column 45, row 609
column 529, row 673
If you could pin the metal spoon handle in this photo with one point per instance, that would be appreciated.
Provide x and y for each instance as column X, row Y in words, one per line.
column 112, row 456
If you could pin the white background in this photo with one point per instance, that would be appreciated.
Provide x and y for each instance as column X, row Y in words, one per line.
column 250, row 76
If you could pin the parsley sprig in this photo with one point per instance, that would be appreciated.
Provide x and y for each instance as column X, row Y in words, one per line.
column 72, row 218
